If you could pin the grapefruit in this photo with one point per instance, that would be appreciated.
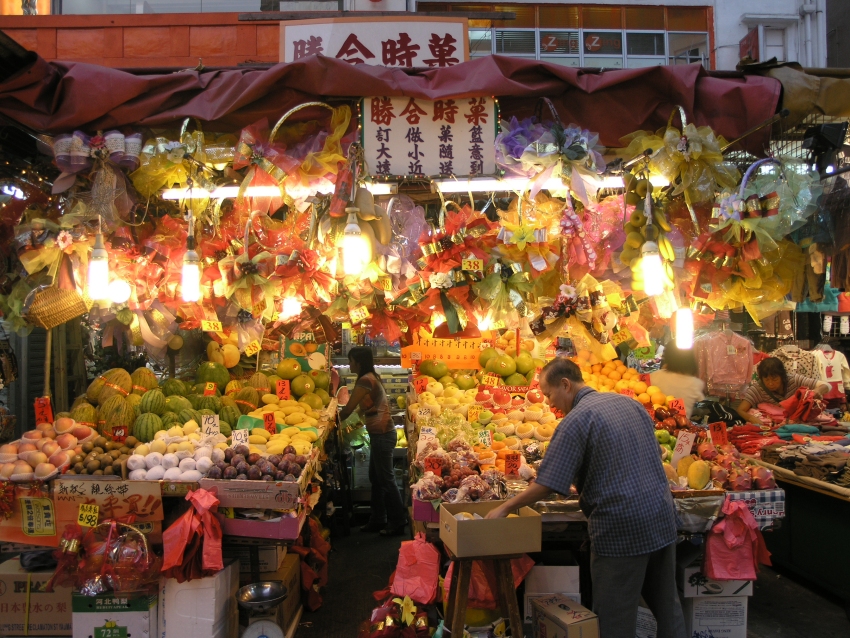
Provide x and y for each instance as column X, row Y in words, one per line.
column 288, row 369
column 301, row 385
column 486, row 355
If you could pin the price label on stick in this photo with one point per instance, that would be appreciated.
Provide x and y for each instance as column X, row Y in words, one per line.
column 252, row 348
column 43, row 410
column 434, row 464
column 210, row 424
column 677, row 406
column 473, row 265
column 491, row 380
column 269, row 424
column 621, row 336
column 239, row 437
column 87, row 515
column 512, row 464
column 485, row 437
column 211, row 326
column 209, row 389
column 423, row 413
column 358, row 314
column 474, row 413
column 420, row 384
column 684, row 443
column 283, row 390
column 719, row 433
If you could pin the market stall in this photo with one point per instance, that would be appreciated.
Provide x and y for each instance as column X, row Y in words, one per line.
column 224, row 239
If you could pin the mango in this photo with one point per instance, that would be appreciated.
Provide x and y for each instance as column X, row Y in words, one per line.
column 684, row 464
column 261, row 432
column 698, row 475
column 256, row 439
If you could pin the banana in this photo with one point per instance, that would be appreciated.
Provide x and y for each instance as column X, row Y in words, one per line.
column 659, row 218
column 666, row 248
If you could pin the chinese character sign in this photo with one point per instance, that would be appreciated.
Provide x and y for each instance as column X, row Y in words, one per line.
column 413, row 42
column 449, row 137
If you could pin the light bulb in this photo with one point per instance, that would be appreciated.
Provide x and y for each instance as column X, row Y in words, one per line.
column 356, row 251
column 119, row 291
column 290, row 309
column 191, row 281
column 652, row 268
column 684, row 329
column 98, row 282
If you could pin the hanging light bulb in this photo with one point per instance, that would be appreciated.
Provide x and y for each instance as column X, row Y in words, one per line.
column 684, row 329
column 190, row 283
column 652, row 268
column 290, row 309
column 119, row 291
column 98, row 281
column 356, row 250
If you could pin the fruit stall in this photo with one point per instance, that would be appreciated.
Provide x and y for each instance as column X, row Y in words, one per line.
column 207, row 276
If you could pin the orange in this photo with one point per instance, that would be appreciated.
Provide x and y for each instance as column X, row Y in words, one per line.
column 653, row 389
column 616, row 376
column 583, row 355
column 658, row 398
column 643, row 398
column 593, row 359
column 597, row 368
column 621, row 385
column 639, row 387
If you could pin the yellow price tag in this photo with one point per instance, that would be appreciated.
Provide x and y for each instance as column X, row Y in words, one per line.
column 259, row 308
column 211, row 326
column 252, row 348
column 474, row 413
column 621, row 336
column 386, row 283
column 491, row 380
column 473, row 265
column 88, row 515
column 359, row 314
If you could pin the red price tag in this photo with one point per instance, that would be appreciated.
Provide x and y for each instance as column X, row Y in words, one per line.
column 678, row 406
column 433, row 464
column 719, row 433
column 269, row 424
column 119, row 434
column 283, row 391
column 43, row 411
column 209, row 389
column 420, row 384
column 512, row 464
column 645, row 378
column 627, row 392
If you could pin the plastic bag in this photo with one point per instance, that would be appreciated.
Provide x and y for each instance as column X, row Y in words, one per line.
column 482, row 582
column 418, row 571
column 192, row 545
column 427, row 488
column 735, row 546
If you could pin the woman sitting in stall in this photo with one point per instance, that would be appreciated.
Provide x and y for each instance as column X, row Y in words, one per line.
column 774, row 385
column 678, row 377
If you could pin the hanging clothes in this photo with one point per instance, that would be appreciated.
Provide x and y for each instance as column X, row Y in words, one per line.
column 797, row 361
column 725, row 362
column 834, row 371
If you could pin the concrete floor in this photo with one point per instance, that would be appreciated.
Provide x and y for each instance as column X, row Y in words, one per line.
column 782, row 606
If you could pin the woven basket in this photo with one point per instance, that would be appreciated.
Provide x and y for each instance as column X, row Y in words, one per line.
column 53, row 306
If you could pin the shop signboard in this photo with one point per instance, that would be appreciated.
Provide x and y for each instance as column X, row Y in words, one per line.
column 411, row 136
column 378, row 41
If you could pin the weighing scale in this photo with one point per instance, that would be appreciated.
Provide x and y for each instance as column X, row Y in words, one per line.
column 261, row 600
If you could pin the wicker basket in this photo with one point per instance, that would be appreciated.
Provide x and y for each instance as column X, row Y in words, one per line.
column 48, row 307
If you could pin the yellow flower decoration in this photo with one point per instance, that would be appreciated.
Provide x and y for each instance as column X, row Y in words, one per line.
column 408, row 609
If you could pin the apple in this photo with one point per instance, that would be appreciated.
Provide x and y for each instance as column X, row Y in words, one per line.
column 22, row 467
column 81, row 432
column 26, row 447
column 45, row 469
column 498, row 436
column 35, row 458
column 483, row 396
column 41, row 443
column 485, row 416
column 9, row 448
column 43, row 427
column 7, row 469
column 33, row 435
column 58, row 459
column 50, row 434
column 64, row 424
column 501, row 397
column 517, row 402
column 66, row 441
column 535, row 395
column 50, row 448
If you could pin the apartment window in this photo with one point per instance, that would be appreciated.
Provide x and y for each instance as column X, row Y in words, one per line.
column 774, row 44
column 645, row 44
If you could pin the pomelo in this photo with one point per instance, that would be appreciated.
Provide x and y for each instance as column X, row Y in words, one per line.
column 486, row 355
column 301, row 385
column 288, row 369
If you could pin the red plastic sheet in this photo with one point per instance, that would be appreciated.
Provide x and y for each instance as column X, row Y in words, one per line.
column 63, row 96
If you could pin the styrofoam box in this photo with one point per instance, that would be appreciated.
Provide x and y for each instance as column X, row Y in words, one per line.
column 202, row 607
column 716, row 617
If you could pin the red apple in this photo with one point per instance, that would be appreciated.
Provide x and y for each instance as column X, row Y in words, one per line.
column 35, row 458
column 501, row 397
column 518, row 402
column 64, row 424
column 26, row 447
column 9, row 448
column 50, row 434
column 483, row 396
column 43, row 427
column 534, row 395
column 81, row 432
column 22, row 467
column 50, row 448
column 6, row 470
column 33, row 435
column 45, row 469
column 66, row 441
column 58, row 459
column 41, row 443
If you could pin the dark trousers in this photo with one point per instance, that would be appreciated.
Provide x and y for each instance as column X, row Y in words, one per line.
column 620, row 581
column 386, row 501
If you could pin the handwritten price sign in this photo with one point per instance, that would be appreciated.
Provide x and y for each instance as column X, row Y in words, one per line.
column 252, row 348
column 211, row 326
column 210, row 424
column 358, row 314
column 43, row 410
column 428, row 433
column 283, row 389
column 423, row 413
column 474, row 413
column 491, row 380
column 87, row 515
column 677, row 406
column 420, row 384
column 473, row 265
column 684, row 443
column 512, row 464
column 627, row 392
column 239, row 437
column 209, row 389
column 434, row 464
column 719, row 433
column 485, row 438
column 269, row 424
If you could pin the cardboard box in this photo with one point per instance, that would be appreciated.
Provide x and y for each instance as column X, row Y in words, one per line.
column 49, row 614
column 271, row 495
column 202, row 607
column 33, row 518
column 424, row 511
column 576, row 597
column 646, row 627
column 270, row 556
column 716, row 617
column 546, row 580
column 500, row 536
column 285, row 528
column 557, row 616
column 290, row 575
column 114, row 615
column 693, row 584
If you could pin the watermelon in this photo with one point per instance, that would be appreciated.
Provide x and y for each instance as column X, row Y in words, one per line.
column 143, row 380
column 224, row 428
column 211, row 371
column 210, row 403
column 110, row 383
column 170, row 418
column 175, row 403
column 116, row 412
column 200, row 388
column 85, row 414
column 233, row 387
column 189, row 415
column 194, row 400
column 135, row 400
column 146, row 426
column 229, row 413
column 173, row 387
column 206, row 412
column 247, row 399
column 259, row 382
column 153, row 402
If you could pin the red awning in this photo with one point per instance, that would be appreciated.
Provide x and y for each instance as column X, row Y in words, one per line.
column 60, row 97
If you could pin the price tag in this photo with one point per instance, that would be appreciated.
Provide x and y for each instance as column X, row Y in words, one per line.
column 621, row 336
column 427, row 433
column 252, row 348
column 416, row 356
column 43, row 410
column 259, row 308
column 731, row 351
column 210, row 424
column 473, row 265
column 87, row 515
column 434, row 464
column 358, row 314
column 650, row 410
column 645, row 378
column 677, row 406
column 110, row 631
column 239, row 437
column 474, row 412
column 684, row 443
column 210, row 388
column 283, row 391
column 719, row 433
column 491, row 380
column 512, row 464
column 385, row 283
column 211, row 326
column 423, row 413
column 119, row 434
column 485, row 437
column 269, row 424
column 628, row 392
column 420, row 384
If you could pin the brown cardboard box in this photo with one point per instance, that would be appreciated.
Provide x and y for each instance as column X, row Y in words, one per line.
column 49, row 614
column 557, row 616
column 500, row 536
column 290, row 575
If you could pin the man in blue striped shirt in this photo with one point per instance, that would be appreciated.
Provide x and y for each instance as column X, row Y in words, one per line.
column 606, row 446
